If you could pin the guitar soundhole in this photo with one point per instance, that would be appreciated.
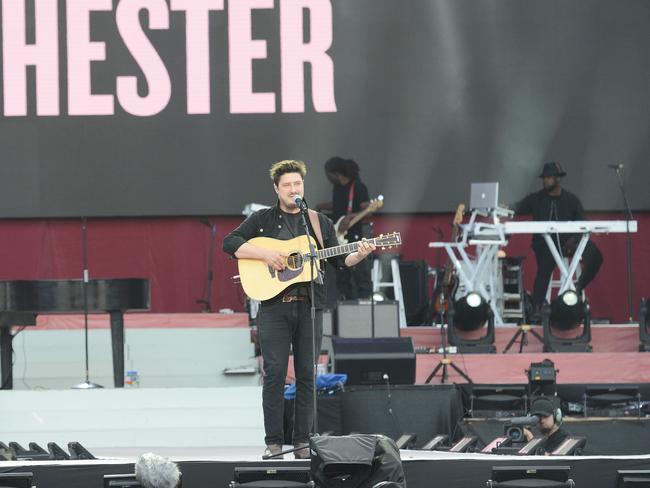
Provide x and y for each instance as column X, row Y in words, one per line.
column 295, row 261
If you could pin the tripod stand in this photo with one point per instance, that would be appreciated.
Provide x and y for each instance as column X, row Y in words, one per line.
column 445, row 362
column 522, row 331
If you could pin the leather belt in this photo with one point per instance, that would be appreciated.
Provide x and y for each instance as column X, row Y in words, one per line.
column 293, row 298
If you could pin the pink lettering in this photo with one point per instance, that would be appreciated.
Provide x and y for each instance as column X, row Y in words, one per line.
column 81, row 52
column 197, row 41
column 155, row 72
column 242, row 49
column 295, row 53
column 17, row 55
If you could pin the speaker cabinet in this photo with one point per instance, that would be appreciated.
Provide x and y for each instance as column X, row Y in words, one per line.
column 366, row 361
column 415, row 291
column 354, row 319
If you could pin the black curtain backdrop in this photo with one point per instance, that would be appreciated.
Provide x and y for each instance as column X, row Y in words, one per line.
column 430, row 96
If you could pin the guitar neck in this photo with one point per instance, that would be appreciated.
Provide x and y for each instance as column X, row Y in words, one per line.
column 330, row 252
column 358, row 217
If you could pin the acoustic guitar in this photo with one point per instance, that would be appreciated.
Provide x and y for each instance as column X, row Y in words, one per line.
column 263, row 282
column 374, row 205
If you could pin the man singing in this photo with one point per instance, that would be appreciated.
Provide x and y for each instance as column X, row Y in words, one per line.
column 553, row 203
column 285, row 321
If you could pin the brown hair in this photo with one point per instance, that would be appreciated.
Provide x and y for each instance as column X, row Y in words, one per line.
column 287, row 166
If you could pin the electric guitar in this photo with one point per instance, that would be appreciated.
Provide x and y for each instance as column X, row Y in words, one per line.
column 448, row 283
column 262, row 282
column 373, row 206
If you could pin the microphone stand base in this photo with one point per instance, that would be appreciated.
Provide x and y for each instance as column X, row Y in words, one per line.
column 86, row 385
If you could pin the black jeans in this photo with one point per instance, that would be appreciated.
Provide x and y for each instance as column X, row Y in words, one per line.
column 592, row 259
column 282, row 325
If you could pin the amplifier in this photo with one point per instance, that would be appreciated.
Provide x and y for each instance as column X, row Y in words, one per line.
column 355, row 318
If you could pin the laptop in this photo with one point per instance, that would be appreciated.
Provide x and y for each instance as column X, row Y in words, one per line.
column 484, row 196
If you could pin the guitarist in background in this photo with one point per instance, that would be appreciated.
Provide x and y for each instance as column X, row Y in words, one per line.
column 285, row 320
column 349, row 196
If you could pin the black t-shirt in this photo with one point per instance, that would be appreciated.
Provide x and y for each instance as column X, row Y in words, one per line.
column 340, row 203
column 555, row 440
column 545, row 207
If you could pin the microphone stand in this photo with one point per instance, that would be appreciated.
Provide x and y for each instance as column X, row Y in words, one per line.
column 628, row 236
column 207, row 301
column 313, row 257
column 87, row 384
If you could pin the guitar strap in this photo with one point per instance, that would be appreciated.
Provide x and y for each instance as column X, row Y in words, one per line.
column 315, row 225
column 351, row 196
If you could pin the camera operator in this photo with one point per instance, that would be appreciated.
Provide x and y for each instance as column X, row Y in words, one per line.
column 550, row 418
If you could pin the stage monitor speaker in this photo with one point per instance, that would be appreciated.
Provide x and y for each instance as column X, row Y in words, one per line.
column 354, row 318
column 366, row 361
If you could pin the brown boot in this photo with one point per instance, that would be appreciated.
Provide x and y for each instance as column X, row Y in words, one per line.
column 303, row 452
column 273, row 449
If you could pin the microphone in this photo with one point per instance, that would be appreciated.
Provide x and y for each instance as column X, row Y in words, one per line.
column 154, row 471
column 615, row 166
column 297, row 199
column 528, row 420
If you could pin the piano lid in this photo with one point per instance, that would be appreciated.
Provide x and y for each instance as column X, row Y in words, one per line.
column 104, row 295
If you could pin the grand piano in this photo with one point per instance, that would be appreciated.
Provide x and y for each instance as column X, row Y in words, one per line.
column 21, row 301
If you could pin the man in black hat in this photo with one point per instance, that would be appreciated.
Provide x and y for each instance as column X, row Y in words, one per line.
column 550, row 418
column 553, row 202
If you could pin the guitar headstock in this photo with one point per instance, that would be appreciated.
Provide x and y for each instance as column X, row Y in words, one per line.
column 387, row 241
column 458, row 217
column 375, row 204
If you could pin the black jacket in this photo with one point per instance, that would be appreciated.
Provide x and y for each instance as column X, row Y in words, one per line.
column 268, row 223
column 545, row 207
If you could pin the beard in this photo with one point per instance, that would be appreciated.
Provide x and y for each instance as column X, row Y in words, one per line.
column 545, row 430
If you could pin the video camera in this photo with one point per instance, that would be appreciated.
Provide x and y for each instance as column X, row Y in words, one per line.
column 514, row 428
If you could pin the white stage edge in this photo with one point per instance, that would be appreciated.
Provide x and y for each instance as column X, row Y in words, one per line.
column 134, row 417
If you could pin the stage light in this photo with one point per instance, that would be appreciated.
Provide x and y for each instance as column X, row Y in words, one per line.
column 567, row 311
column 406, row 441
column 467, row 317
column 378, row 296
column 530, row 477
column 471, row 312
column 561, row 318
column 17, row 480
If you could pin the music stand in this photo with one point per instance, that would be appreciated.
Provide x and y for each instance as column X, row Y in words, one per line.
column 445, row 362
